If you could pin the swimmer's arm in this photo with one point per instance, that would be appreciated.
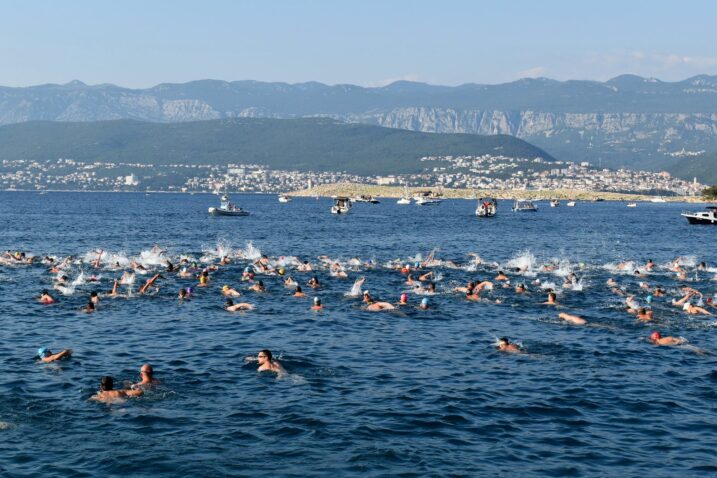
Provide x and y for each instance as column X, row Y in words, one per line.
column 133, row 393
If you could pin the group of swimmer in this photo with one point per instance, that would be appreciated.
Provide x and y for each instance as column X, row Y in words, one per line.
column 417, row 277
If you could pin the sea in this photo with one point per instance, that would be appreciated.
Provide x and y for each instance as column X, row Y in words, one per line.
column 406, row 392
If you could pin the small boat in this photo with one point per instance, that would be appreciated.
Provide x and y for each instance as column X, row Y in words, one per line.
column 658, row 199
column 487, row 207
column 284, row 198
column 365, row 198
column 554, row 202
column 524, row 205
column 427, row 198
column 405, row 199
column 570, row 203
column 704, row 217
column 227, row 208
column 342, row 205
column 632, row 204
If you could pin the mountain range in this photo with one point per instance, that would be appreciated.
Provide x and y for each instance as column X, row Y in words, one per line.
column 628, row 121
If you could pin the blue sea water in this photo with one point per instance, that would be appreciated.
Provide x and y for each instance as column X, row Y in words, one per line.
column 410, row 393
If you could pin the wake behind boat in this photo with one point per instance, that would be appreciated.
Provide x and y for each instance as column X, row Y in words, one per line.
column 227, row 208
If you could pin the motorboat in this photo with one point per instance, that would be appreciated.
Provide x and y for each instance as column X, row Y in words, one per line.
column 570, row 203
column 227, row 208
column 632, row 204
column 658, row 199
column 405, row 199
column 554, row 202
column 487, row 207
column 284, row 198
column 365, row 198
column 342, row 205
column 703, row 217
column 524, row 205
column 427, row 198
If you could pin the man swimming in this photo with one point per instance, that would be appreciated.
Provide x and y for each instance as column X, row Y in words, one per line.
column 46, row 298
column 107, row 393
column 46, row 355
column 317, row 304
column 657, row 339
column 146, row 374
column 232, row 307
column 230, row 291
column 505, row 345
column 573, row 319
column 149, row 283
column 267, row 363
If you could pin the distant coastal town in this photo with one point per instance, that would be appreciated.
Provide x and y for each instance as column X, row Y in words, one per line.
column 486, row 172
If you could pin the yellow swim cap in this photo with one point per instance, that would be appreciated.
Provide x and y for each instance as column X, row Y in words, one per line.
column 225, row 287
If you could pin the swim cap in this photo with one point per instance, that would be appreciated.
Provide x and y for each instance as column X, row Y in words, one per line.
column 225, row 287
column 189, row 290
column 648, row 298
column 655, row 335
column 686, row 306
column 281, row 271
column 424, row 302
column 317, row 301
column 365, row 292
column 404, row 297
column 42, row 351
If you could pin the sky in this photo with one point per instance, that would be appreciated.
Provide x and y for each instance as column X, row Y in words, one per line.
column 139, row 44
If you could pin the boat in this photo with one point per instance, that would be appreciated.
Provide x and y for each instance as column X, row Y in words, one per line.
column 570, row 203
column 227, row 208
column 284, row 198
column 364, row 198
column 342, row 205
column 632, row 204
column 524, row 205
column 487, row 207
column 703, row 217
column 427, row 198
column 658, row 199
column 554, row 202
column 405, row 199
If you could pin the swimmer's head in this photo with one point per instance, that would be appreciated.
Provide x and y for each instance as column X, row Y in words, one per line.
column 146, row 369
column 107, row 383
column 43, row 352
column 264, row 355
column 648, row 299
column 317, row 301
column 503, row 342
column 365, row 292
column 228, row 303
column 424, row 303
column 655, row 335
column 189, row 290
column 686, row 305
column 298, row 288
column 404, row 298
column 281, row 271
column 225, row 287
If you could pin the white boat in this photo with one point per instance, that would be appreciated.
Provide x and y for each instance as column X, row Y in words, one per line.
column 427, row 198
column 658, row 199
column 554, row 202
column 632, row 204
column 524, row 205
column 227, row 208
column 704, row 217
column 487, row 207
column 342, row 205
column 570, row 203
column 405, row 199
column 284, row 198
column 365, row 198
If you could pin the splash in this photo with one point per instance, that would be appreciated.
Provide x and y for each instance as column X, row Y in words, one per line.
column 525, row 261
column 356, row 288
column 249, row 252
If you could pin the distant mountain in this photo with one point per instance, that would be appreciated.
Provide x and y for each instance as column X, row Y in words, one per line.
column 627, row 121
column 318, row 144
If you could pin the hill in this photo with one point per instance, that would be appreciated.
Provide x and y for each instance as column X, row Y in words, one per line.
column 318, row 144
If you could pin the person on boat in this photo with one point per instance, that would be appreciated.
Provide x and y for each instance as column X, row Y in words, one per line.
column 46, row 298
column 230, row 291
column 45, row 355
column 317, row 304
column 267, row 363
column 657, row 339
column 552, row 296
column 230, row 306
column 505, row 345
column 146, row 375
column 573, row 319
column 258, row 287
column 107, row 393
column 149, row 283
column 298, row 292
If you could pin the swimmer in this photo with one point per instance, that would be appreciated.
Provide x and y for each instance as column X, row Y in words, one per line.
column 225, row 260
column 170, row 266
column 520, row 289
column 203, row 279
column 505, row 345
column 183, row 294
column 230, row 291
column 424, row 304
column 89, row 307
column 379, row 306
column 403, row 300
column 96, row 262
column 230, row 306
column 646, row 315
column 304, row 267
column 298, row 292
column 425, row 276
column 367, row 297
column 657, row 339
column 289, row 282
column 267, row 363
column 501, row 276
column 113, row 292
column 649, row 265
column 184, row 273
column 573, row 319
column 314, row 283
column 94, row 298
column 149, row 283
column 317, row 304
column 695, row 310
column 108, row 394
column 551, row 299
column 46, row 355
column 258, row 287
column 247, row 275
column 611, row 282
column 46, row 298
column 146, row 374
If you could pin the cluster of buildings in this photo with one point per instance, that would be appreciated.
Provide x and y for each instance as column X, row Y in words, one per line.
column 460, row 172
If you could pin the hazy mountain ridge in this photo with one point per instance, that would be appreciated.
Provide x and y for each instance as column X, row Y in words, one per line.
column 626, row 121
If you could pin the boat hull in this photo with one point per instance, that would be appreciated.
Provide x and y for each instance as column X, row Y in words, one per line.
column 215, row 211
column 694, row 219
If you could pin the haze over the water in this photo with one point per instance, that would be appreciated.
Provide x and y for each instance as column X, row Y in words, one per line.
column 372, row 43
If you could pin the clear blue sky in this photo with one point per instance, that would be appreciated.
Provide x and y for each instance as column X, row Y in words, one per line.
column 141, row 43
